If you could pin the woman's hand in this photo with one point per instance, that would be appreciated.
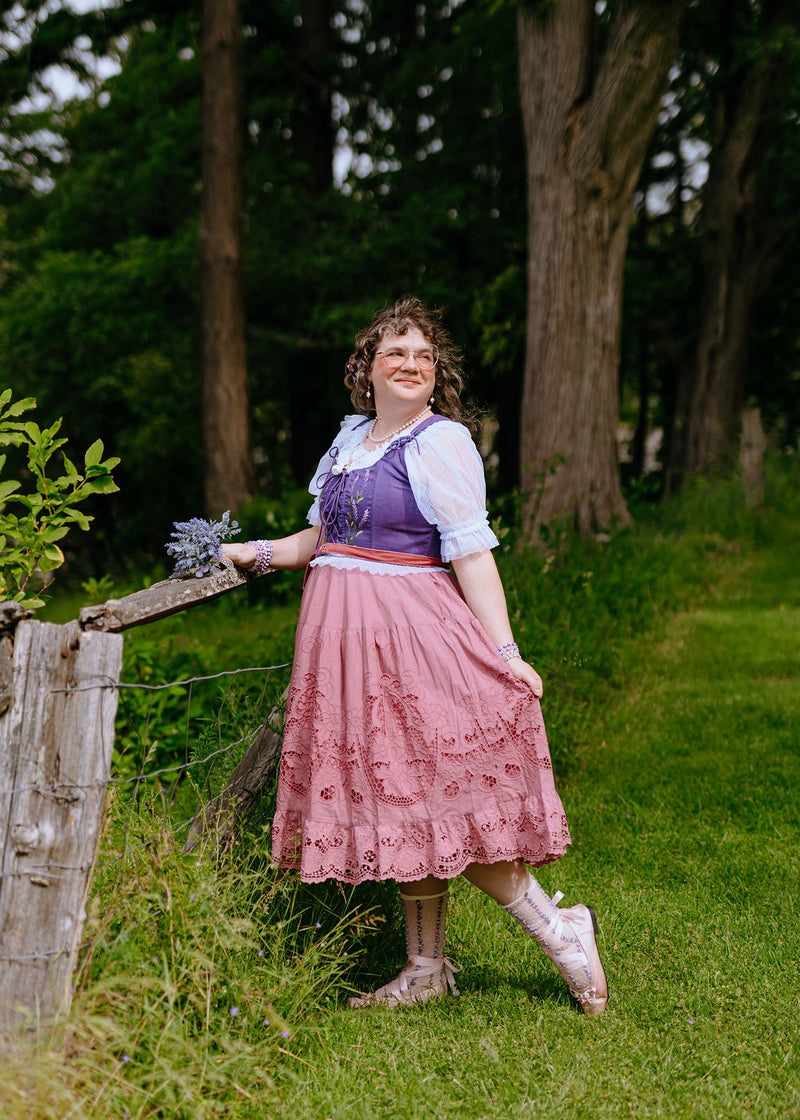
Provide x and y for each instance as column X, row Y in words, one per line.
column 527, row 674
column 243, row 555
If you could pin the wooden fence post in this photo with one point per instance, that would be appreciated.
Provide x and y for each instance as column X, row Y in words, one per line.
column 56, row 740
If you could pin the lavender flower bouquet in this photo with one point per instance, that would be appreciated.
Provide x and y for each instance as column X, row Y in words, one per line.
column 196, row 545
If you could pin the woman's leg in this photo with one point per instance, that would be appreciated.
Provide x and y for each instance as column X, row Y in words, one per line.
column 428, row 972
column 566, row 936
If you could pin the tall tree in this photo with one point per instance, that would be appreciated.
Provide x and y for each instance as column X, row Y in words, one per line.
column 226, row 412
column 591, row 81
column 750, row 217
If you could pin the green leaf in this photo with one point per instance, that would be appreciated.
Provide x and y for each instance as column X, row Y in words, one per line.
column 55, row 533
column 7, row 488
column 63, row 483
column 18, row 407
column 80, row 518
column 51, row 557
column 70, row 468
column 33, row 432
column 54, row 446
column 33, row 602
column 103, row 485
column 94, row 454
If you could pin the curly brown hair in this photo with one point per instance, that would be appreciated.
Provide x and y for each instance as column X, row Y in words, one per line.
column 406, row 314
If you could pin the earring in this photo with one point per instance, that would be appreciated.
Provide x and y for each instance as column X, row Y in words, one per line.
column 369, row 395
column 430, row 402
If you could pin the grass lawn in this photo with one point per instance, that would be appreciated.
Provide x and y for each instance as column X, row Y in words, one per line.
column 685, row 829
column 219, row 990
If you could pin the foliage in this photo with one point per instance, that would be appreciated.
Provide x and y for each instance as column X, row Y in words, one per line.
column 197, row 543
column 28, row 542
column 98, row 276
column 200, row 977
column 675, row 758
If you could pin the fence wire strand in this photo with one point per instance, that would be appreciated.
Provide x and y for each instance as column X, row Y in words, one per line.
column 69, row 792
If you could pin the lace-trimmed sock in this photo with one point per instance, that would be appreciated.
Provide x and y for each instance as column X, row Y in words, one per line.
column 568, row 938
column 429, row 972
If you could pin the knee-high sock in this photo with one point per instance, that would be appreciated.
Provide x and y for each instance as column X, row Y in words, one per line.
column 425, row 917
column 568, row 939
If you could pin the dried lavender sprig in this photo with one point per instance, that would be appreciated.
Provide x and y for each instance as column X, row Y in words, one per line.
column 196, row 545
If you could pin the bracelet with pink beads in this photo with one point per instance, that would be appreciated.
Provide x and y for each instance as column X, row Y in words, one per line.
column 263, row 560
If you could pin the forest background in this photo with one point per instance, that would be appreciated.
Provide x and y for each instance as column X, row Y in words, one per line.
column 387, row 149
column 603, row 199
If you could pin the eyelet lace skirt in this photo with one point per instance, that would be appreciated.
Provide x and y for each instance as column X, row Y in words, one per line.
column 409, row 748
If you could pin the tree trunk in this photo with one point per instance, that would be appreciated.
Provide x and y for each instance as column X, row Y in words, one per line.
column 588, row 113
column 226, row 414
column 741, row 252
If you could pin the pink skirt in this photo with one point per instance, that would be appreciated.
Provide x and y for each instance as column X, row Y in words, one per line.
column 409, row 748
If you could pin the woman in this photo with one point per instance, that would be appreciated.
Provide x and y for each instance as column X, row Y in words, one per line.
column 414, row 747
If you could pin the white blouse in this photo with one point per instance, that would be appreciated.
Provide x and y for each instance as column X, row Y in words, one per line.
column 445, row 472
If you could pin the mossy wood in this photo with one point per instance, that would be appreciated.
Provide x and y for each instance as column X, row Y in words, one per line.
column 56, row 739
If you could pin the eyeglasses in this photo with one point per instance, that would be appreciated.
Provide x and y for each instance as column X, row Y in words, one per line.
column 397, row 356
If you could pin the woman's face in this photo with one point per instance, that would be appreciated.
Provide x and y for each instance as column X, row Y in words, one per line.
column 406, row 382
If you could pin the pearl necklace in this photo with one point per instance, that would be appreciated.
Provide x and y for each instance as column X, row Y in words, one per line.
column 342, row 468
column 397, row 431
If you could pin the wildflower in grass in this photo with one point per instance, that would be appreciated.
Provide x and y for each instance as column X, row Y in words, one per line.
column 126, row 1057
column 319, row 925
column 285, row 1034
column 260, row 953
column 266, row 1022
column 192, row 897
column 234, row 1010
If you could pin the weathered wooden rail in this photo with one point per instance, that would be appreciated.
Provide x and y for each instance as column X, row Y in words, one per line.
column 58, row 701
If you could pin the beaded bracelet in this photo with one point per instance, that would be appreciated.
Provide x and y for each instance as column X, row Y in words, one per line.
column 263, row 556
column 509, row 650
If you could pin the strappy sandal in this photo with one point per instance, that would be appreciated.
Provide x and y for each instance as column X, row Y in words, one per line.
column 422, row 979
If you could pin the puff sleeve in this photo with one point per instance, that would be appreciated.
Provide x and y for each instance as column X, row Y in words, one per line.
column 445, row 471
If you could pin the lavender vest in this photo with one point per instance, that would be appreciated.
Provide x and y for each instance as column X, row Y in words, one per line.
column 374, row 507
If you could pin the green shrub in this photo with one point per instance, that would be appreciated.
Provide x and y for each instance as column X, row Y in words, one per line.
column 29, row 549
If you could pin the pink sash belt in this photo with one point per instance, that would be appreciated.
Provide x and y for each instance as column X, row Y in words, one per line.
column 382, row 556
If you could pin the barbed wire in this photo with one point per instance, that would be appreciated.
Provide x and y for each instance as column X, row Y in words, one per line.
column 143, row 777
column 44, row 955
column 109, row 682
column 48, row 872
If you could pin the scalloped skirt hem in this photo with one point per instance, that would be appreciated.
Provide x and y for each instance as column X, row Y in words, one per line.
column 362, row 855
column 410, row 749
